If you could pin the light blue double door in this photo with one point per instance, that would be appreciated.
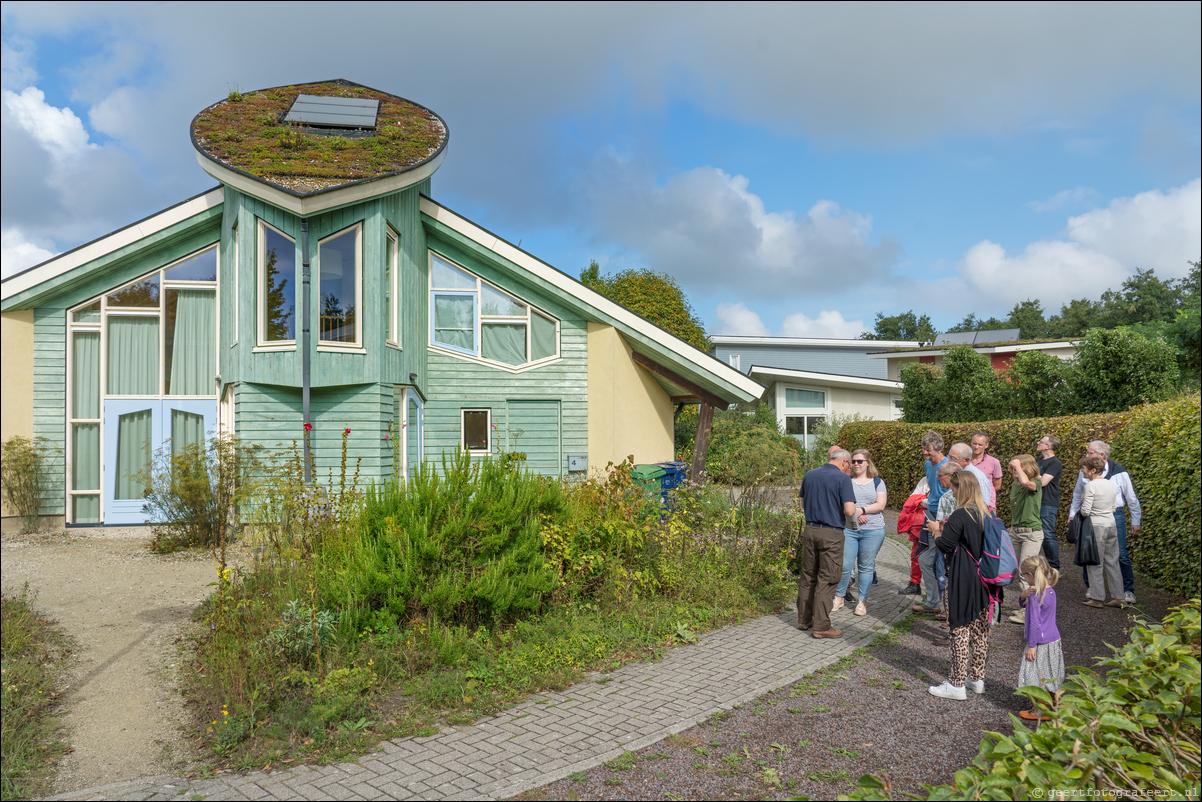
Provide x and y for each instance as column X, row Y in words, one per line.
column 134, row 430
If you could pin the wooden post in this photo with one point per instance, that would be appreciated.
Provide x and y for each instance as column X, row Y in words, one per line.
column 701, row 443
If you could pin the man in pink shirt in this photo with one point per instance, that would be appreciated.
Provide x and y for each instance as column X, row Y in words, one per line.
column 984, row 463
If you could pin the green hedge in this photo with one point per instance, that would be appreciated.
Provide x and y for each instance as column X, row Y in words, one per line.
column 1135, row 728
column 1157, row 443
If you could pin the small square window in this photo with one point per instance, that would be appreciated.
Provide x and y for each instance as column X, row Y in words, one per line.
column 477, row 424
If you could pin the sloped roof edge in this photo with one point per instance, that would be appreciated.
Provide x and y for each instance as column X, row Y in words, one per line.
column 703, row 362
column 834, row 379
column 102, row 246
column 824, row 342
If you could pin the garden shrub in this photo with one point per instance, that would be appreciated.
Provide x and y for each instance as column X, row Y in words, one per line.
column 461, row 545
column 747, row 447
column 1117, row 368
column 1158, row 444
column 26, row 476
column 1160, row 447
column 1135, row 728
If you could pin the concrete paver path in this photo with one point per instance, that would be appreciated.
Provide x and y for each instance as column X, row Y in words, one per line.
column 553, row 735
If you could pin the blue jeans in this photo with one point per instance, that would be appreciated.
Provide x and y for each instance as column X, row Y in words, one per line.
column 862, row 544
column 1120, row 521
column 1051, row 546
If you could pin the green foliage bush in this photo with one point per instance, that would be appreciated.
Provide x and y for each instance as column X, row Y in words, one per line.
column 750, row 449
column 1119, row 368
column 461, row 545
column 1160, row 447
column 1158, row 444
column 1136, row 728
column 26, row 476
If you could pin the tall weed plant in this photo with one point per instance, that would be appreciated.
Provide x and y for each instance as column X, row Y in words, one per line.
column 26, row 475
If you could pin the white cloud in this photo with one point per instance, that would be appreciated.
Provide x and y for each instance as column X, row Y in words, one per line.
column 17, row 253
column 1063, row 198
column 1104, row 247
column 737, row 319
column 59, row 131
column 710, row 231
column 830, row 323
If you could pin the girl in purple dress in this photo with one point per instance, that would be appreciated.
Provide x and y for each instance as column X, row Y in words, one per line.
column 1043, row 661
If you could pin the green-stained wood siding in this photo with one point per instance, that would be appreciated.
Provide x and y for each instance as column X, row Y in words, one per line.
column 459, row 383
column 50, row 398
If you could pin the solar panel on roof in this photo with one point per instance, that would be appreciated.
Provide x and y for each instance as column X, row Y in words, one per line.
column 333, row 112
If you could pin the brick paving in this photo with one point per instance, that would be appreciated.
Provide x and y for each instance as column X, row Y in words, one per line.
column 556, row 734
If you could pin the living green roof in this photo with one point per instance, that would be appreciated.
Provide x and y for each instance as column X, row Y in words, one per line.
column 246, row 133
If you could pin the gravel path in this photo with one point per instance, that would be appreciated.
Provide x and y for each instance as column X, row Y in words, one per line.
column 870, row 713
column 124, row 608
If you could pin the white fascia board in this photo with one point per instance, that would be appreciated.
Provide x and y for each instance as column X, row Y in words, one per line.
column 980, row 349
column 65, row 262
column 544, row 271
column 731, row 339
column 307, row 205
column 831, row 379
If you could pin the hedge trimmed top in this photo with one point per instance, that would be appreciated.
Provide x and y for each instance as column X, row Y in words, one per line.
column 246, row 133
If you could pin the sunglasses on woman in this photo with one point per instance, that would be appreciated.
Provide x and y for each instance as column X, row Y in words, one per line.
column 859, row 462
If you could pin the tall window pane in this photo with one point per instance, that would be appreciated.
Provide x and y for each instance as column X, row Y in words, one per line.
column 542, row 338
column 187, row 429
column 133, row 355
column 85, row 375
column 278, row 304
column 85, row 456
column 191, row 337
column 338, row 287
column 133, row 453
column 455, row 321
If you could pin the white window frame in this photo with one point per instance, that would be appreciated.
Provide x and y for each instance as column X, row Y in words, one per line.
column 263, row 344
column 237, row 299
column 101, row 327
column 733, row 361
column 894, row 412
column 392, row 247
column 476, row 452
column 479, row 319
column 331, row 345
column 785, row 411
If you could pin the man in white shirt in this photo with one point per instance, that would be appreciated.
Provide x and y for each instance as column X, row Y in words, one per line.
column 1125, row 498
column 961, row 454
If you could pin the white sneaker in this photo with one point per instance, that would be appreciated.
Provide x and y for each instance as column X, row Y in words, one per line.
column 1018, row 617
column 947, row 691
column 838, row 605
column 1129, row 597
column 861, row 609
column 975, row 685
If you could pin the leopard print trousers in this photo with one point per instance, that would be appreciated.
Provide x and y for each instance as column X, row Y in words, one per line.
column 970, row 650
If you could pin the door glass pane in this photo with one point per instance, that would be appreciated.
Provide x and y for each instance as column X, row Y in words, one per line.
column 85, row 456
column 475, row 430
column 85, row 375
column 201, row 267
column 804, row 399
column 144, row 294
column 191, row 337
column 85, row 509
column 336, row 266
column 133, row 453
column 445, row 277
column 133, row 355
column 455, row 321
column 187, row 429
column 503, row 343
column 279, row 304
column 542, row 338
column 493, row 302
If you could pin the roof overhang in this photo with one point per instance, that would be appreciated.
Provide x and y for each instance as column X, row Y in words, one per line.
column 63, row 264
column 769, row 376
column 705, row 373
column 315, row 202
column 809, row 342
column 1003, row 348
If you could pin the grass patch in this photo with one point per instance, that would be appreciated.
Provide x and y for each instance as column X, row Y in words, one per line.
column 32, row 651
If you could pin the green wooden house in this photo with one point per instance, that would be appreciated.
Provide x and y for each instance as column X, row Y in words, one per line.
column 320, row 285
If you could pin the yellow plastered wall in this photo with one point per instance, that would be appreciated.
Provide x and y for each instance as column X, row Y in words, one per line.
column 16, row 378
column 867, row 403
column 628, row 411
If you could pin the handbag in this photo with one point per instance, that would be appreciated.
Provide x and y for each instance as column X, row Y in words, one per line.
column 1087, row 546
column 1074, row 527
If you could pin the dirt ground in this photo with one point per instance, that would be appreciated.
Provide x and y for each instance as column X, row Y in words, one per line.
column 124, row 608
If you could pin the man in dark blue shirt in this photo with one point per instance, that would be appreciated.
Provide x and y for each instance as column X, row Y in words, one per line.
column 828, row 498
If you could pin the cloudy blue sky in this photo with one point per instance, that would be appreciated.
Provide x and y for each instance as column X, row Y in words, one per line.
column 798, row 168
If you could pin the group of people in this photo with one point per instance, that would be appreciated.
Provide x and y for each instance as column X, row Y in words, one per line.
column 946, row 519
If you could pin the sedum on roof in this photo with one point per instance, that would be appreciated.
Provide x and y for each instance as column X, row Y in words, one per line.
column 246, row 133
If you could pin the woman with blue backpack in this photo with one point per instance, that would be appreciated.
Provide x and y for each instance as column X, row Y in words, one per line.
column 970, row 599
